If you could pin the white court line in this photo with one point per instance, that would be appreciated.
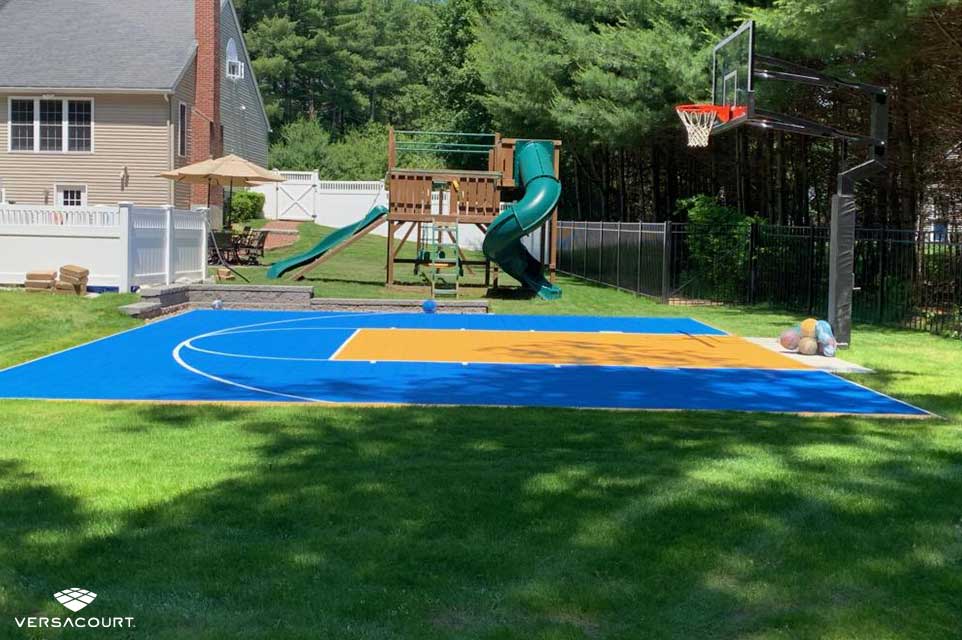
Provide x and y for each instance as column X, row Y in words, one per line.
column 249, row 356
column 101, row 339
column 227, row 331
column 884, row 395
column 232, row 383
column 344, row 344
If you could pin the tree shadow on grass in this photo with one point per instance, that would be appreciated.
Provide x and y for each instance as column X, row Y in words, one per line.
column 507, row 523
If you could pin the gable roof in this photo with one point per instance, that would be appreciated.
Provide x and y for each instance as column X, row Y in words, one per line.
column 138, row 45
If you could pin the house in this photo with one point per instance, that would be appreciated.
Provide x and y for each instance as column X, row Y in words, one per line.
column 99, row 96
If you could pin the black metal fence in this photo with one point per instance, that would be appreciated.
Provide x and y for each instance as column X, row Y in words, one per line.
column 902, row 278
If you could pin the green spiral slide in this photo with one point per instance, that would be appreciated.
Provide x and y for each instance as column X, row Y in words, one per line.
column 330, row 241
column 534, row 169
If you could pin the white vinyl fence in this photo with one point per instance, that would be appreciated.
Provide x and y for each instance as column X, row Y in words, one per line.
column 123, row 247
column 304, row 196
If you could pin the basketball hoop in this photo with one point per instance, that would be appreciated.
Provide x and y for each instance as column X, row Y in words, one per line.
column 700, row 119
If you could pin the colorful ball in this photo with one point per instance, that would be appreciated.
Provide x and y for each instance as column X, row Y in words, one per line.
column 217, row 304
column 828, row 348
column 808, row 327
column 823, row 331
column 808, row 346
column 429, row 306
column 789, row 339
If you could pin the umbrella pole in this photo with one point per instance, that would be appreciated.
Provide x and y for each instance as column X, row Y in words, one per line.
column 213, row 240
column 227, row 203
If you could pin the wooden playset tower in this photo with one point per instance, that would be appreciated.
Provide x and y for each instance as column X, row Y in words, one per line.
column 445, row 198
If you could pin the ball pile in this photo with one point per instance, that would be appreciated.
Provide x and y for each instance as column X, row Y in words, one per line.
column 809, row 338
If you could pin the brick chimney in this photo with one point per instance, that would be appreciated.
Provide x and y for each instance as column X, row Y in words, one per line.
column 205, row 125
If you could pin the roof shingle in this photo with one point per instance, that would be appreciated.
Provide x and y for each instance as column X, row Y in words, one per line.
column 95, row 44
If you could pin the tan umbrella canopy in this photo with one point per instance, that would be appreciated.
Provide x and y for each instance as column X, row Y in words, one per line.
column 230, row 171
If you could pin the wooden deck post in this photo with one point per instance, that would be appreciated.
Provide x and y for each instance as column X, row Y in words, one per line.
column 553, row 249
column 389, row 278
column 391, row 149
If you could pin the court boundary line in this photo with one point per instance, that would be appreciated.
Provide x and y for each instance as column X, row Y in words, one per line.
column 334, row 404
column 327, row 315
column 884, row 395
column 96, row 340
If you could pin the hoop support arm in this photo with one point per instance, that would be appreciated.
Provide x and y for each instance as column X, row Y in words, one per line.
column 792, row 72
column 794, row 124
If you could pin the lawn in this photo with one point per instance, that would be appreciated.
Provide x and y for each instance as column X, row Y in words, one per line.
column 313, row 522
column 359, row 270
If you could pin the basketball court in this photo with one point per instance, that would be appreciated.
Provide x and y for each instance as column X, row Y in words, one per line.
column 425, row 359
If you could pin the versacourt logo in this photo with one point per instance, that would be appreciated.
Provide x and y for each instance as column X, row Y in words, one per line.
column 75, row 598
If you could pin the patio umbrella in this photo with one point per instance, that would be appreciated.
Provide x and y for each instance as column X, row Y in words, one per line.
column 229, row 171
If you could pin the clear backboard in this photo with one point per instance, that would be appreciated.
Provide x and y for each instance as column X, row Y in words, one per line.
column 733, row 66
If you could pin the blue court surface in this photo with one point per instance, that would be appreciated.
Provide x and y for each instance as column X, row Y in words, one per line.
column 495, row 360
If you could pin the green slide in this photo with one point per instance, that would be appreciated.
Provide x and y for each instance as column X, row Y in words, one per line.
column 330, row 241
column 534, row 169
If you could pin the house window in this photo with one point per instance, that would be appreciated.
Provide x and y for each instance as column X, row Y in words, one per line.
column 235, row 68
column 182, row 130
column 50, row 125
column 21, row 125
column 940, row 231
column 71, row 195
column 80, row 123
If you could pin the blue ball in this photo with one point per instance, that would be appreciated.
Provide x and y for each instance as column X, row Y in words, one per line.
column 429, row 306
column 823, row 331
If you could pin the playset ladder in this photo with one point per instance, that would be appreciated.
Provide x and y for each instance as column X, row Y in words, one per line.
column 440, row 257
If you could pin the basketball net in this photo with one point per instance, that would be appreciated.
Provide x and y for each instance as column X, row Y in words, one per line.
column 699, row 120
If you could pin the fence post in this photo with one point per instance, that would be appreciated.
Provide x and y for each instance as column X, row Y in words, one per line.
column 584, row 255
column 811, row 269
column 204, row 243
column 618, row 257
column 170, row 265
column 883, row 248
column 126, row 222
column 601, row 253
column 666, row 264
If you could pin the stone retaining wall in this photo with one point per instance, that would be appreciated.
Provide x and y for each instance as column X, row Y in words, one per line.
column 396, row 306
column 159, row 301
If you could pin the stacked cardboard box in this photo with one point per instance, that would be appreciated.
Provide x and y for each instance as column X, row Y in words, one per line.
column 40, row 281
column 73, row 280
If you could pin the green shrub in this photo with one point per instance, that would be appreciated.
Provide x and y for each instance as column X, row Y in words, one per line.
column 246, row 205
column 302, row 146
column 717, row 238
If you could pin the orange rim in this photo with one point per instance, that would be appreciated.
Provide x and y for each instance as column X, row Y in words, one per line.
column 723, row 112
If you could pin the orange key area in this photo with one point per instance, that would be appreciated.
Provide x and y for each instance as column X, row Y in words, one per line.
column 544, row 347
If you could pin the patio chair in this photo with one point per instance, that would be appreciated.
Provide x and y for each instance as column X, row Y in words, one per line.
column 252, row 247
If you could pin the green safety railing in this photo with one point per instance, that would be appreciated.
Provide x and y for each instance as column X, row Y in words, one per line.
column 443, row 146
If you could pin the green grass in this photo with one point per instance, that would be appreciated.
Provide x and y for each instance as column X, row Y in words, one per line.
column 307, row 522
column 359, row 270
column 35, row 324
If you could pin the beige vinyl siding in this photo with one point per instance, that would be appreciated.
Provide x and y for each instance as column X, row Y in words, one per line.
column 184, row 92
column 241, row 113
column 130, row 131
